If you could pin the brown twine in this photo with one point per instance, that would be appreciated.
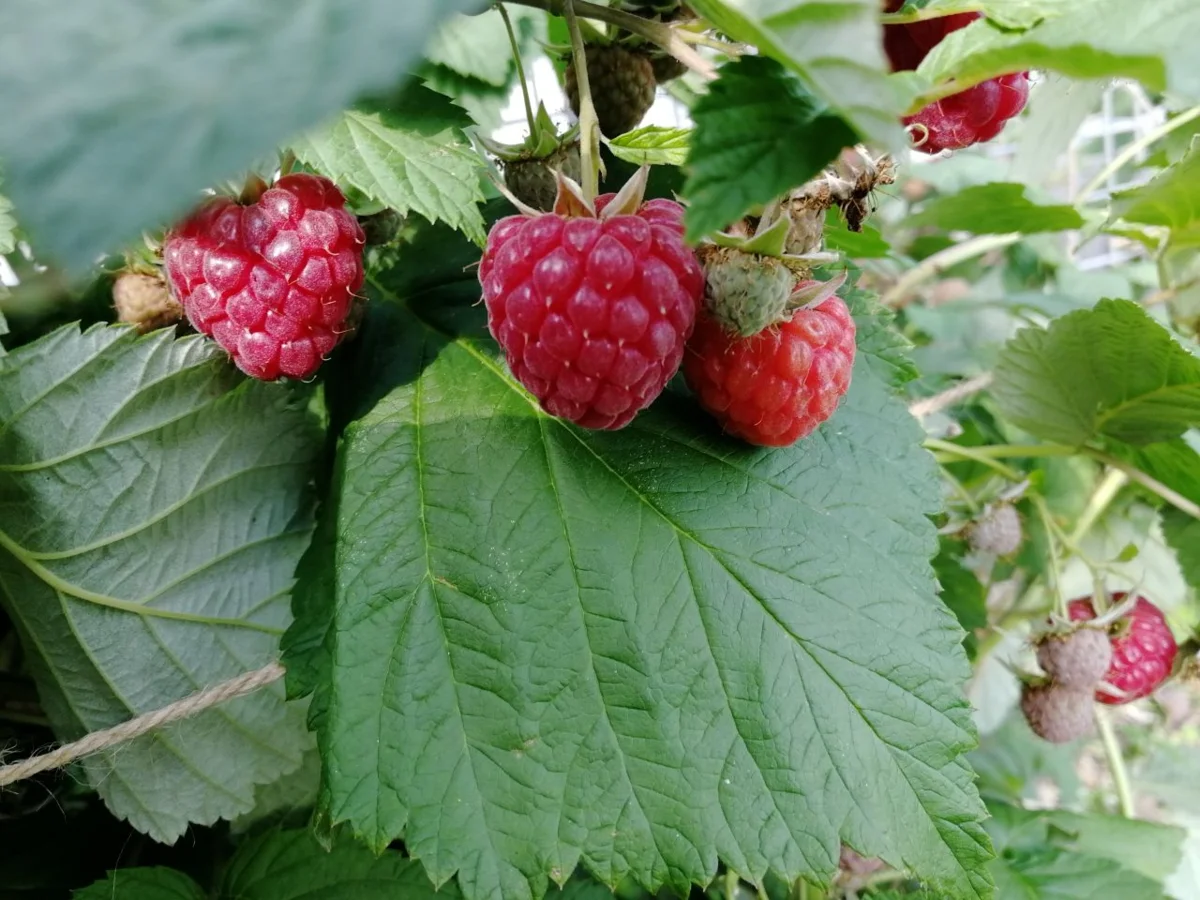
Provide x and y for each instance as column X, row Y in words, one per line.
column 141, row 725
column 269, row 674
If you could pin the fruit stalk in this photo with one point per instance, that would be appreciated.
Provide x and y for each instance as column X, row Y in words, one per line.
column 1116, row 761
column 516, row 52
column 589, row 125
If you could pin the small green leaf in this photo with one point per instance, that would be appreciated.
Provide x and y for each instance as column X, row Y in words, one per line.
column 866, row 244
column 409, row 154
column 758, row 134
column 1008, row 13
column 653, row 146
column 836, row 48
column 995, row 208
column 637, row 651
column 290, row 865
column 1086, row 39
column 1111, row 371
column 1170, row 200
column 1182, row 533
column 961, row 592
column 155, row 506
column 116, row 116
column 143, row 884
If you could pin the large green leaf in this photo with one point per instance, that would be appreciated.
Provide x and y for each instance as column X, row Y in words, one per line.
column 143, row 884
column 153, row 507
column 116, row 115
column 1110, row 371
column 837, row 48
column 477, row 46
column 410, row 154
column 1086, row 39
column 642, row 651
column 290, row 864
column 995, row 208
column 758, row 134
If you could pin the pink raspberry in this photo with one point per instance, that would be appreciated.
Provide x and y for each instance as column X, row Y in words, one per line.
column 1143, row 648
column 968, row 117
column 271, row 282
column 592, row 312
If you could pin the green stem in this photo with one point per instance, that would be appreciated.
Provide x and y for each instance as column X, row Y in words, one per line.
column 899, row 293
column 731, row 884
column 1133, row 149
column 945, row 451
column 589, row 125
column 1053, row 535
column 921, row 15
column 1172, row 496
column 516, row 52
column 1104, row 494
column 1116, row 762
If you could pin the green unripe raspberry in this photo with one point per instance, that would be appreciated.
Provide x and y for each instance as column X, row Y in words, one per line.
column 532, row 181
column 622, row 83
column 746, row 293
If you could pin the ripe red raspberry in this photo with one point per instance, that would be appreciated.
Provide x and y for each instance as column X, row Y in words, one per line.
column 592, row 312
column 1143, row 648
column 968, row 117
column 271, row 282
column 775, row 387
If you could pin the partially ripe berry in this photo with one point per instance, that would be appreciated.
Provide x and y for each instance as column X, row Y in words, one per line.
column 1143, row 648
column 997, row 531
column 745, row 292
column 1078, row 659
column 776, row 387
column 969, row 117
column 144, row 301
column 622, row 83
column 272, row 282
column 592, row 313
column 1057, row 713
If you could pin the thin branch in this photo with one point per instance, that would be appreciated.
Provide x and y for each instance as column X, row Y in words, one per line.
column 1150, row 483
column 589, row 125
column 655, row 32
column 902, row 291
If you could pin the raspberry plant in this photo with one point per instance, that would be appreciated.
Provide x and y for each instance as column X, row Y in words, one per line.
column 636, row 509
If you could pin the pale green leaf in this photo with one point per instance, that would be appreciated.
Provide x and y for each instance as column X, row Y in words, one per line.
column 836, row 48
column 476, row 46
column 154, row 505
column 995, row 208
column 410, row 155
column 118, row 114
column 653, row 146
column 1111, row 371
column 1009, row 13
column 143, row 884
column 290, row 865
column 642, row 651
column 1171, row 200
column 758, row 134
column 1088, row 39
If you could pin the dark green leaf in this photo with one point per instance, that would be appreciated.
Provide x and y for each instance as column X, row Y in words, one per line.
column 961, row 592
column 865, row 244
column 1182, row 533
column 154, row 505
column 758, row 134
column 995, row 208
column 117, row 115
column 143, row 884
column 836, row 48
column 642, row 651
column 409, row 154
column 1111, row 371
column 290, row 865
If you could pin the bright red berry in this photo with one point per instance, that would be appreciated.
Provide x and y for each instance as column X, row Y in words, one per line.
column 777, row 386
column 271, row 282
column 1143, row 648
column 968, row 117
column 592, row 312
